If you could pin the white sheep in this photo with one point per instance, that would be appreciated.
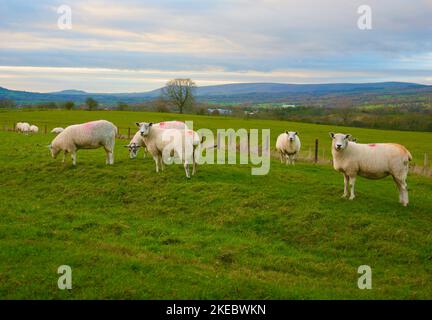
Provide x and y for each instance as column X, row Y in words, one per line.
column 373, row 161
column 18, row 126
column 134, row 145
column 138, row 142
column 57, row 130
column 90, row 135
column 34, row 129
column 164, row 143
column 288, row 145
column 22, row 127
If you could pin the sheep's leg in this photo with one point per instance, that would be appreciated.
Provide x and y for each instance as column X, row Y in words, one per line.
column 186, row 166
column 403, row 192
column 156, row 160
column 73, row 156
column 64, row 156
column 193, row 163
column 281, row 156
column 162, row 164
column 352, row 180
column 145, row 152
column 287, row 159
column 293, row 159
column 346, row 190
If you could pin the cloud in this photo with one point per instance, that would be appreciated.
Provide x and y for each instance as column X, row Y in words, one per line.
column 254, row 37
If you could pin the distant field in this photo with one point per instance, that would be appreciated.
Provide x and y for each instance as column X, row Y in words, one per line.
column 130, row 233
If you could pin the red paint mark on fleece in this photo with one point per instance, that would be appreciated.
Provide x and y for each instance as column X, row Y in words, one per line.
column 372, row 145
column 89, row 125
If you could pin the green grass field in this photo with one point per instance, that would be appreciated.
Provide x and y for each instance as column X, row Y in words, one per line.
column 129, row 233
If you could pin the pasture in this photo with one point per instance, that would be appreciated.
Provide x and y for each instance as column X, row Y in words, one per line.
column 129, row 233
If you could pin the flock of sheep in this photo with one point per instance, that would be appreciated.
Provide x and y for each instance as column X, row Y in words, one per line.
column 26, row 127
column 352, row 159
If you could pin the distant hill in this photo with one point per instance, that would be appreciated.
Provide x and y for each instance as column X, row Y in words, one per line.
column 237, row 93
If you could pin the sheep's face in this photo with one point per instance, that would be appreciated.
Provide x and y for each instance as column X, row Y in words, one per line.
column 133, row 150
column 54, row 151
column 340, row 140
column 291, row 135
column 144, row 128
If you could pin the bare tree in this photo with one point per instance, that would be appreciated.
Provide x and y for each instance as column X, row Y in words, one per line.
column 179, row 92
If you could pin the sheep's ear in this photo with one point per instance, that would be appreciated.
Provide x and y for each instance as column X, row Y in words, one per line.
column 296, row 133
column 138, row 124
column 126, row 146
column 348, row 136
column 49, row 146
column 286, row 132
column 150, row 124
column 331, row 135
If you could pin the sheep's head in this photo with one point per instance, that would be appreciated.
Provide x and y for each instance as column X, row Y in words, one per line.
column 54, row 151
column 291, row 135
column 144, row 127
column 340, row 140
column 133, row 149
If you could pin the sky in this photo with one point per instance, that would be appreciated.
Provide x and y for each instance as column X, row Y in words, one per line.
column 136, row 46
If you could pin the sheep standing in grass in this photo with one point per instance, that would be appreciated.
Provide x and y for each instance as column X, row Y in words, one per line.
column 164, row 143
column 57, row 130
column 90, row 135
column 34, row 129
column 373, row 161
column 288, row 145
column 138, row 142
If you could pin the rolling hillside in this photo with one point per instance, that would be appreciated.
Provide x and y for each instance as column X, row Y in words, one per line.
column 236, row 93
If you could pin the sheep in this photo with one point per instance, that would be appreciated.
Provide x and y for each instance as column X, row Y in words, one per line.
column 372, row 161
column 90, row 135
column 34, row 129
column 22, row 127
column 162, row 143
column 57, row 130
column 18, row 126
column 138, row 142
column 288, row 145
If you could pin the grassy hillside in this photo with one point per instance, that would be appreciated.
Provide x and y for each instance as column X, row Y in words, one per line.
column 128, row 232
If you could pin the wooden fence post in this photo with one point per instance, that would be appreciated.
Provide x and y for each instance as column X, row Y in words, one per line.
column 316, row 151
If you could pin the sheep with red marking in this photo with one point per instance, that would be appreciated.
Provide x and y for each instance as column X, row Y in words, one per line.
column 138, row 142
column 90, row 135
column 372, row 161
column 163, row 143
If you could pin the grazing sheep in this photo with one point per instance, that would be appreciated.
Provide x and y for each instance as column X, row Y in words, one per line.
column 163, row 143
column 90, row 135
column 57, row 130
column 288, row 145
column 138, row 142
column 373, row 161
column 34, row 129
